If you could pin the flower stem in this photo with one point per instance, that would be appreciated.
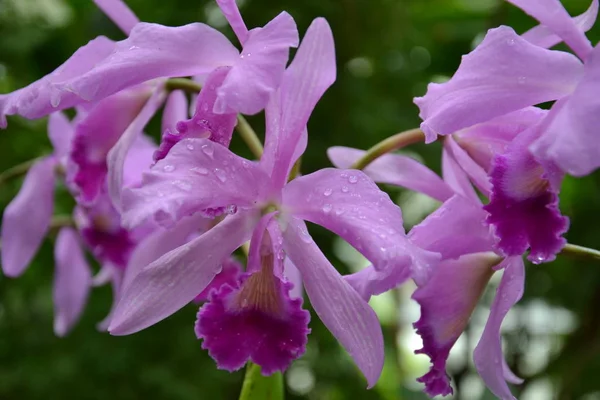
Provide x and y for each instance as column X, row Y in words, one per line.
column 390, row 144
column 249, row 136
column 259, row 387
column 576, row 251
column 187, row 85
column 295, row 169
column 17, row 170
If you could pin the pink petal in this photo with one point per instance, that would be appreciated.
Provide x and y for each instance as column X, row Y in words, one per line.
column 72, row 281
column 347, row 316
column 473, row 170
column 119, row 13
column 117, row 155
column 447, row 302
column 304, row 82
column 176, row 109
column 348, row 203
column 229, row 275
column 542, row 36
column 60, row 132
column 553, row 15
column 41, row 98
column 259, row 70
column 570, row 141
column 196, row 175
column 153, row 51
column 138, row 160
column 458, row 227
column 232, row 13
column 395, row 169
column 292, row 274
column 169, row 283
column 116, row 284
column 456, row 178
column 503, row 74
column 27, row 218
column 488, row 353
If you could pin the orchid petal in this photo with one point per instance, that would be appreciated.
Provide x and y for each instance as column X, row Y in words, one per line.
column 395, row 169
column 458, row 227
column 304, row 82
column 233, row 16
column 503, row 74
column 292, row 274
column 176, row 109
column 477, row 174
column 175, row 279
column 40, row 98
column 27, row 218
column 570, row 141
column 553, row 15
column 456, row 178
column 72, row 281
column 138, row 160
column 117, row 155
column 488, row 353
column 542, row 36
column 197, row 174
column 116, row 284
column 60, row 132
column 259, row 70
column 371, row 282
column 347, row 316
column 119, row 13
column 350, row 204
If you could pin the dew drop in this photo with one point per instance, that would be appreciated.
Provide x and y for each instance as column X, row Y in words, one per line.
column 222, row 175
column 352, row 179
column 200, row 170
column 327, row 208
column 521, row 80
column 183, row 185
column 327, row 192
column 169, row 168
column 190, row 146
column 231, row 209
column 208, row 149
column 345, row 189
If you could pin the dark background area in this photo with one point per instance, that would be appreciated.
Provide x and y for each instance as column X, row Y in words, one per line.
column 387, row 52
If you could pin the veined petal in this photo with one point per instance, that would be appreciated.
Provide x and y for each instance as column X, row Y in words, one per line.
column 350, row 204
column 138, row 160
column 447, row 301
column 473, row 170
column 232, row 13
column 176, row 109
column 347, row 316
column 570, row 141
column 456, row 178
column 304, row 82
column 119, row 13
column 543, row 36
column 258, row 72
column 488, row 353
column 292, row 274
column 196, row 175
column 40, row 98
column 26, row 219
column 72, row 281
column 503, row 74
column 458, row 227
column 169, row 283
column 153, row 51
column 60, row 132
column 395, row 169
column 552, row 14
column 116, row 285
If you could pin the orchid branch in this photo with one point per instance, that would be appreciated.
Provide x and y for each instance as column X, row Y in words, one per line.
column 187, row 85
column 17, row 170
column 395, row 142
column 257, row 386
column 576, row 251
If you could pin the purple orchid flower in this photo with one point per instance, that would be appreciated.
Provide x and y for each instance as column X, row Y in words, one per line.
column 507, row 72
column 198, row 174
column 459, row 233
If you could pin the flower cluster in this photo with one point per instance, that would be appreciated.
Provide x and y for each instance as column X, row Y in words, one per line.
column 164, row 220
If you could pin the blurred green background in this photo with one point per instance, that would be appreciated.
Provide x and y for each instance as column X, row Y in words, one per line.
column 387, row 51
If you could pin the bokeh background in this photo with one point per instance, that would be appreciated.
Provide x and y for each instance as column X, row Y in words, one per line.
column 387, row 52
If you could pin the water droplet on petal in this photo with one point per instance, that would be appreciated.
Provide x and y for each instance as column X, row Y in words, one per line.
column 327, row 208
column 231, row 209
column 208, row 149
column 169, row 168
column 199, row 170
column 327, row 192
column 190, row 146
column 521, row 80
column 222, row 175
column 183, row 185
column 345, row 189
column 352, row 179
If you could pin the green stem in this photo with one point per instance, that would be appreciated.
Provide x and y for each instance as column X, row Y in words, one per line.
column 576, row 251
column 249, row 136
column 61, row 221
column 295, row 169
column 390, row 144
column 259, row 387
column 187, row 85
column 17, row 170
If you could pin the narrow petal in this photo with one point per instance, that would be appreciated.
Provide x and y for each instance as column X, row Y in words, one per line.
column 350, row 204
column 152, row 51
column 347, row 316
column 118, row 154
column 176, row 278
column 543, row 36
column 488, row 353
column 473, row 170
column 196, row 175
column 116, row 285
column 456, row 178
column 553, row 15
column 395, row 169
column 119, row 13
column 503, row 74
column 26, row 219
column 60, row 132
column 371, row 282
column 40, row 98
column 138, row 160
column 292, row 274
column 176, row 109
column 571, row 140
column 458, row 227
column 232, row 13
column 258, row 71
column 447, row 302
column 72, row 281
column 304, row 82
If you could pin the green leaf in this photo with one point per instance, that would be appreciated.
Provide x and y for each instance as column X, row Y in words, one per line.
column 259, row 387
